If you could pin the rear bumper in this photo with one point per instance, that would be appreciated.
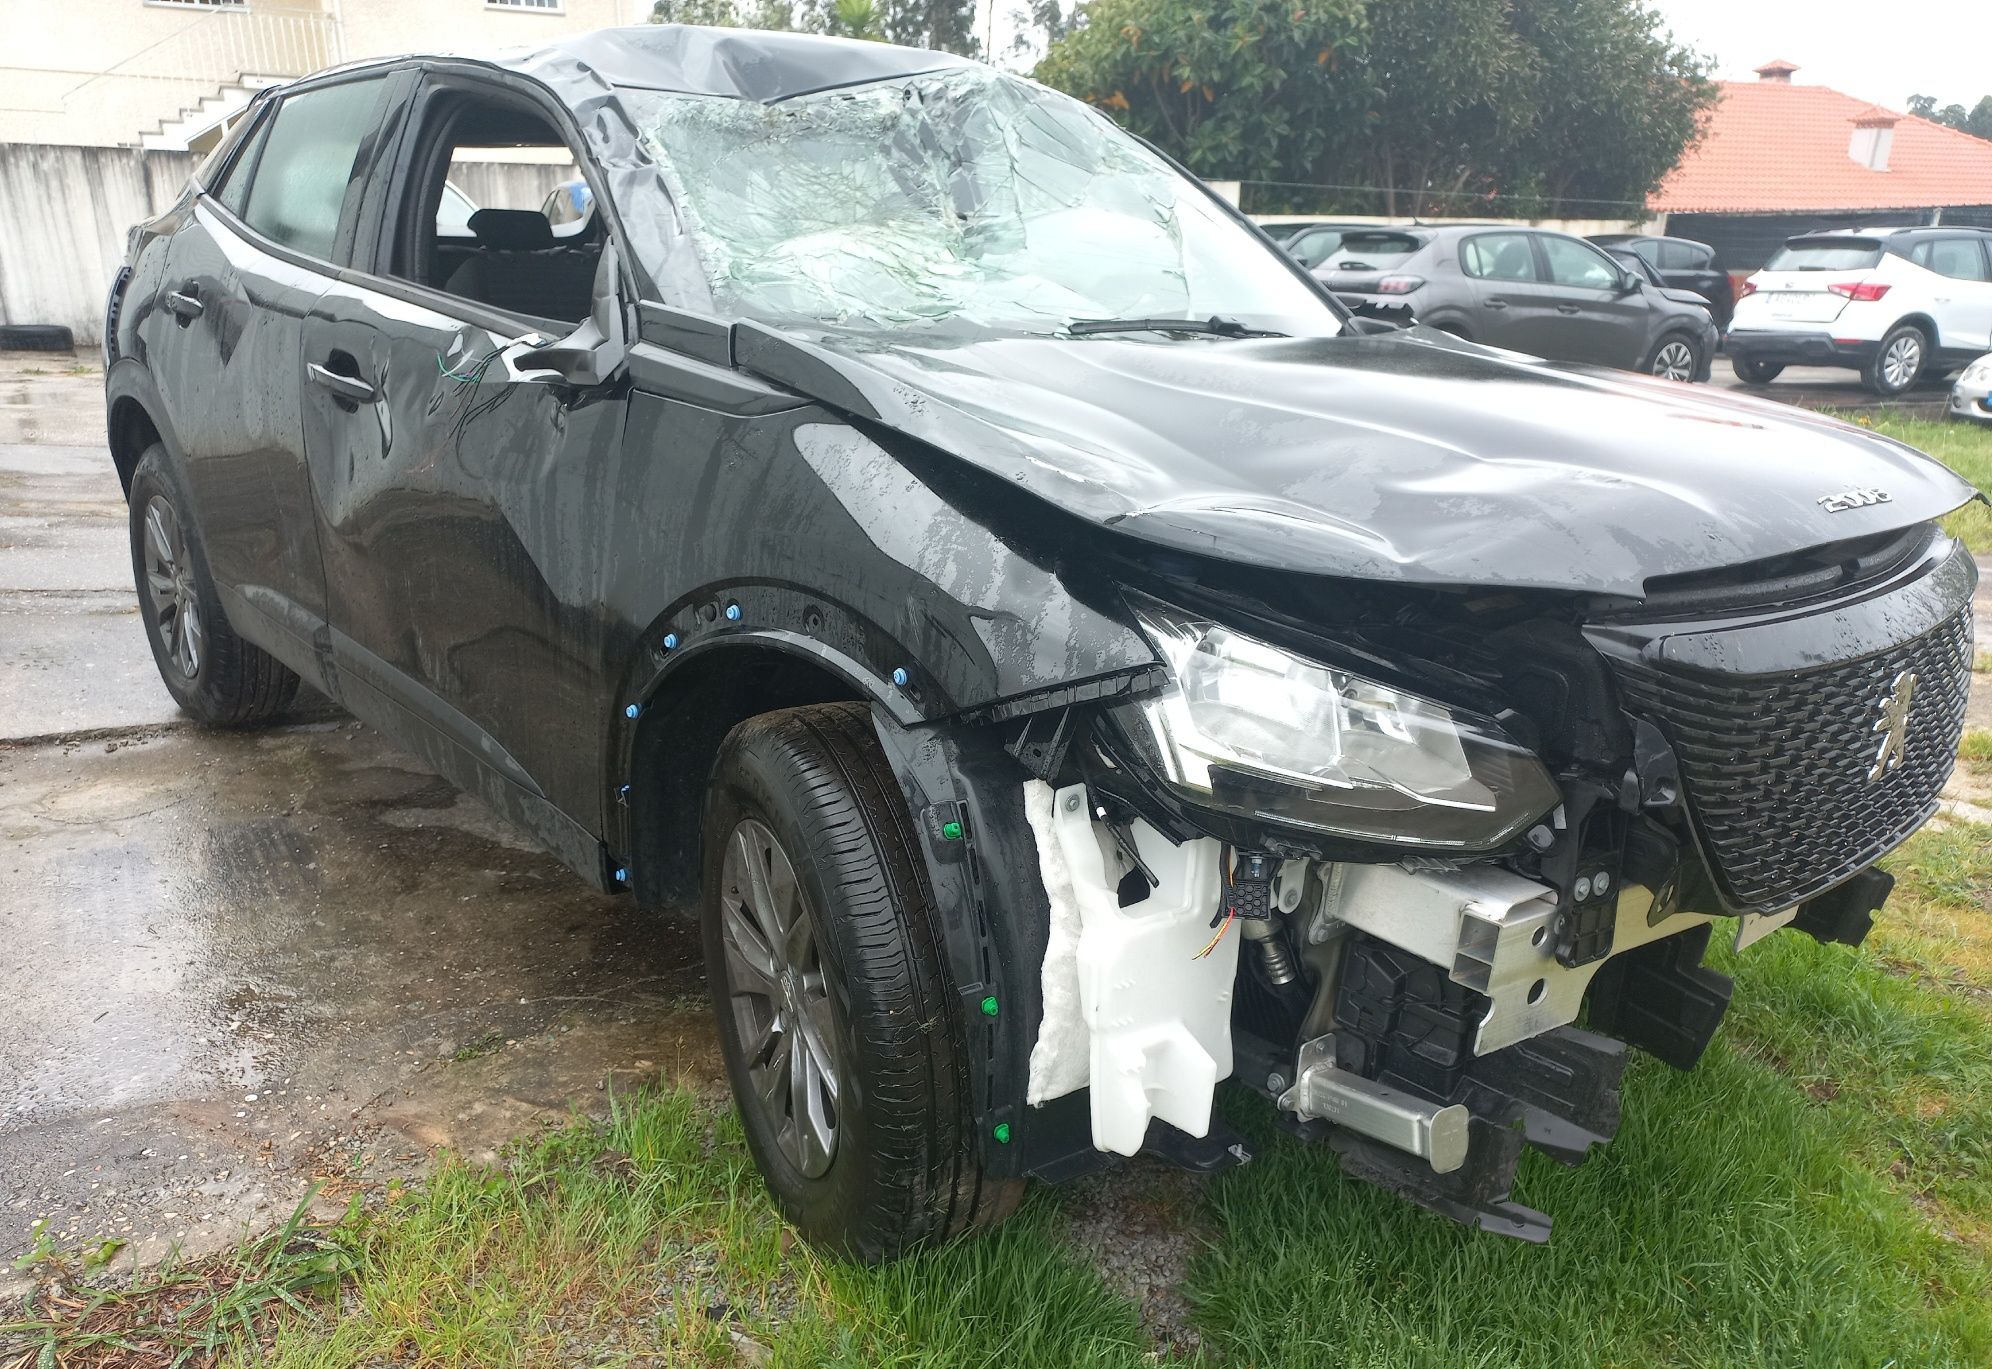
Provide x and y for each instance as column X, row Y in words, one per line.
column 1797, row 349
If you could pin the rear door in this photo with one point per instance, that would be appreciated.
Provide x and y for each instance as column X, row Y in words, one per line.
column 1593, row 318
column 1963, row 297
column 462, row 498
column 1511, row 305
column 242, row 272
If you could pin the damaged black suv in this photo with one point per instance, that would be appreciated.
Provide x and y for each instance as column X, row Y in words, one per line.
column 1068, row 661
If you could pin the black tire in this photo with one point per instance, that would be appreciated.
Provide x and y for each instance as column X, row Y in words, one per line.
column 230, row 682
column 1898, row 362
column 1755, row 372
column 902, row 1170
column 1674, row 352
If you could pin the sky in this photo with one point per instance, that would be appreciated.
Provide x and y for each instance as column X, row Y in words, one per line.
column 1883, row 51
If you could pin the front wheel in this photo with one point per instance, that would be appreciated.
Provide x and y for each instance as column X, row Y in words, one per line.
column 1675, row 357
column 842, row 1037
column 1755, row 372
column 1898, row 361
column 210, row 672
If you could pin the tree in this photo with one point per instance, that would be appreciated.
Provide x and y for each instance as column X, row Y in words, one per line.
column 1616, row 103
column 1232, row 88
column 735, row 14
column 1977, row 121
column 1403, row 106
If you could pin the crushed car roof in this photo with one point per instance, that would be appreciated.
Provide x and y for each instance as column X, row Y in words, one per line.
column 740, row 64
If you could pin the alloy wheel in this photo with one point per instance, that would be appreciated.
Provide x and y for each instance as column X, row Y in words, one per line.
column 1903, row 361
column 779, row 998
column 1674, row 361
column 169, row 583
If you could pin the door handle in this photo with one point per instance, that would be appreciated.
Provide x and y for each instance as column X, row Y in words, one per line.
column 349, row 388
column 1568, row 309
column 185, row 305
column 1495, row 304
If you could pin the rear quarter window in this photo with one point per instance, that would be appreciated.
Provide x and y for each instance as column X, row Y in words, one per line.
column 1847, row 254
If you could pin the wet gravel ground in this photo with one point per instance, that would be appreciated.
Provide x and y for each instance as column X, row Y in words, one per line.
column 245, row 962
column 237, row 964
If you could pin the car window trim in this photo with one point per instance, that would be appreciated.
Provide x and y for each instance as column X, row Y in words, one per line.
column 430, row 78
column 215, row 177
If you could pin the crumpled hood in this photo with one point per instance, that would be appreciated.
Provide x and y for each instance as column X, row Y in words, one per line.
column 1408, row 456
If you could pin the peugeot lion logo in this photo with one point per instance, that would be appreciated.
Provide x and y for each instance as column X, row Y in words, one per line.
column 1893, row 724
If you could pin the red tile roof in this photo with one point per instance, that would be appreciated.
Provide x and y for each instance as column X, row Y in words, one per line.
column 1773, row 147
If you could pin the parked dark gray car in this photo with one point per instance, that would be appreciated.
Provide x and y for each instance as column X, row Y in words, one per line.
column 1683, row 264
column 1528, row 289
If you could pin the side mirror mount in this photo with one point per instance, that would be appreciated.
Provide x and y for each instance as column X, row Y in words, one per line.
column 595, row 350
column 1369, row 323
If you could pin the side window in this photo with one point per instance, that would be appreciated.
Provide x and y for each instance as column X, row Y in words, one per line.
column 494, row 208
column 1577, row 264
column 1650, row 250
column 1311, row 249
column 1679, row 256
column 306, row 162
column 1498, row 256
column 1958, row 258
column 235, row 189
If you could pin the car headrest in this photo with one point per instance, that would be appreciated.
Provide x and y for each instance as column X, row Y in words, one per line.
column 512, row 230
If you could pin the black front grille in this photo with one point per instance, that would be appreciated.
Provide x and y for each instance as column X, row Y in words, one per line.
column 1777, row 767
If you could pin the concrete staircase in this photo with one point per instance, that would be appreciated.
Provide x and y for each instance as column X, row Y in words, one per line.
column 197, row 127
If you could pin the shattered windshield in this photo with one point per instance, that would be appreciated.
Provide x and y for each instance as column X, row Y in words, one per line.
column 962, row 196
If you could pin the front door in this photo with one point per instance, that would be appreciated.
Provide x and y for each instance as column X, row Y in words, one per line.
column 1592, row 317
column 1510, row 302
column 460, row 499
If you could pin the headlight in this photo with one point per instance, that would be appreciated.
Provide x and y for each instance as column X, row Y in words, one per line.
column 1978, row 373
column 1247, row 727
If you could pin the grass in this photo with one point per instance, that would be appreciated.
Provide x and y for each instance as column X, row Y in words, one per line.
column 1817, row 1192
column 179, row 1313
column 1967, row 449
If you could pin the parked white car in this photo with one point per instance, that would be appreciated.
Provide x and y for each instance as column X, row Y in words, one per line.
column 1971, row 397
column 1896, row 304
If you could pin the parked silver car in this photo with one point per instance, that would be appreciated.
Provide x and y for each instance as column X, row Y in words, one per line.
column 1971, row 397
column 1527, row 289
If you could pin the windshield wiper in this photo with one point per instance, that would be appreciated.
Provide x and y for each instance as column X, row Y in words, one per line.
column 1216, row 324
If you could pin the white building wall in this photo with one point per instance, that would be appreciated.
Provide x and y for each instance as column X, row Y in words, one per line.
column 105, row 73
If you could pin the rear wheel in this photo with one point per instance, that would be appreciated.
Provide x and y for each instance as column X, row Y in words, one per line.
column 1898, row 361
column 210, row 672
column 841, row 1034
column 1675, row 357
column 1755, row 372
